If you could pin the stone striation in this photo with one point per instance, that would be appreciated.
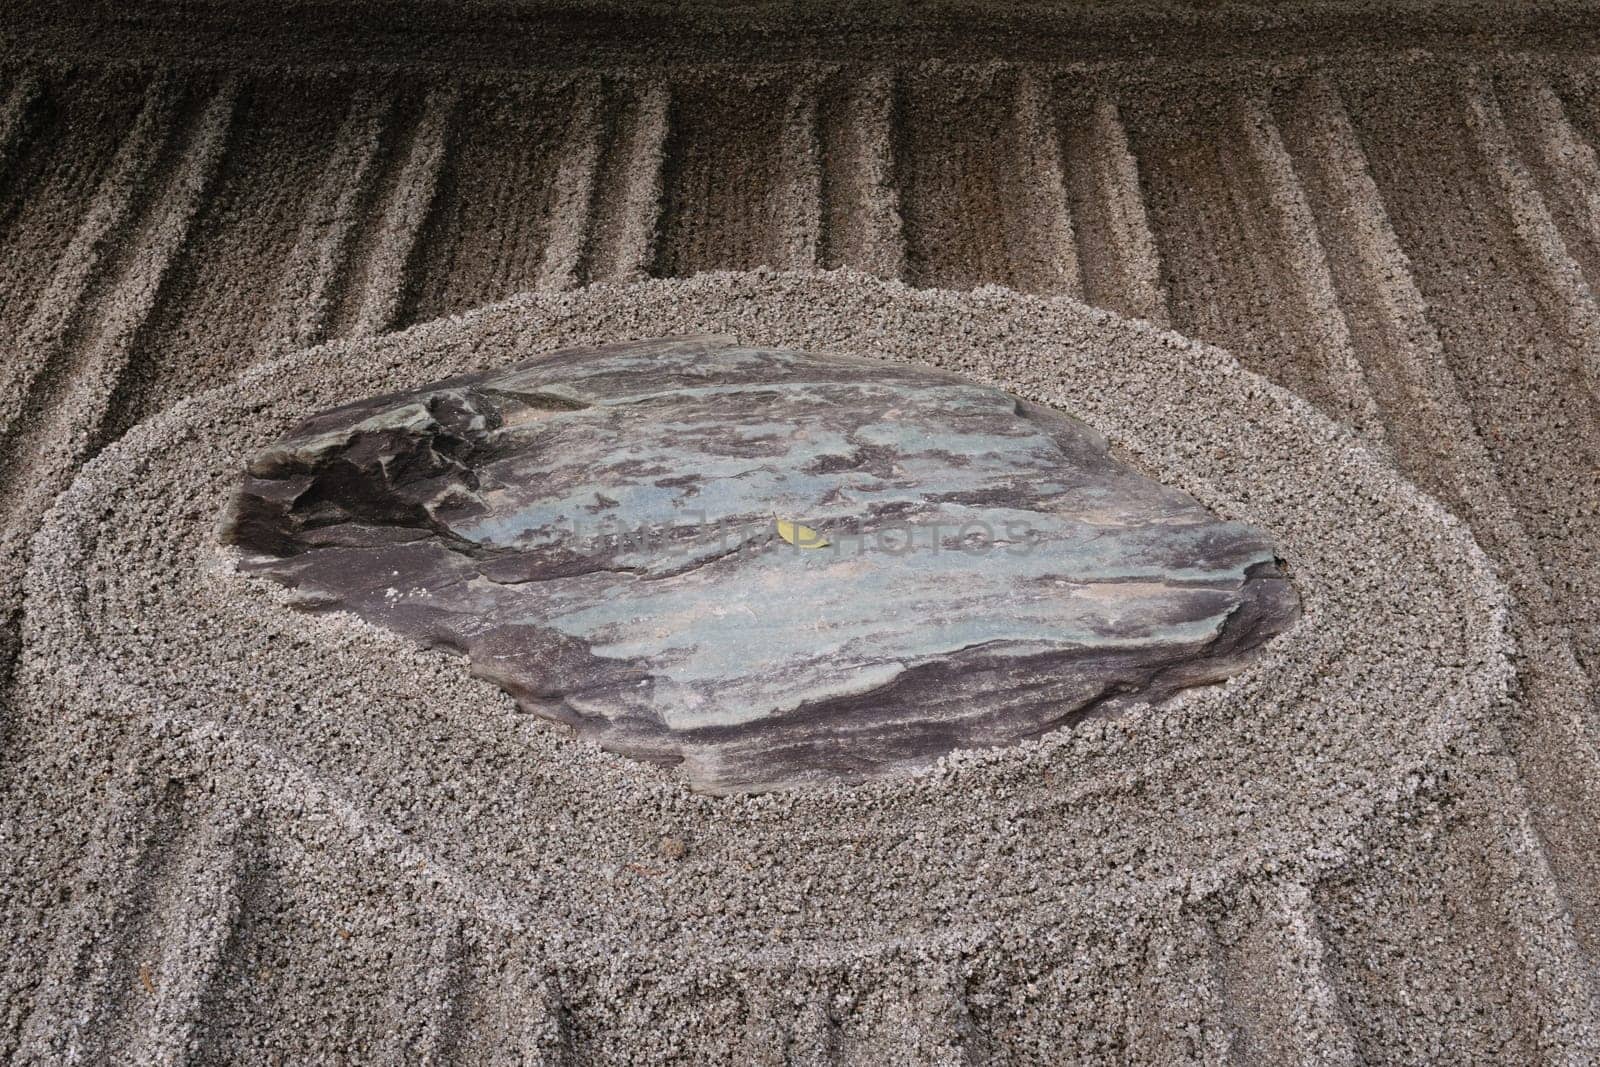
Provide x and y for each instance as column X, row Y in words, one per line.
column 769, row 567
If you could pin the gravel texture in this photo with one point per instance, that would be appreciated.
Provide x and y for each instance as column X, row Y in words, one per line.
column 1005, row 901
column 1385, row 209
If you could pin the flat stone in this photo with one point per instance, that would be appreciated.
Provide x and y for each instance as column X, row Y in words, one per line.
column 769, row 567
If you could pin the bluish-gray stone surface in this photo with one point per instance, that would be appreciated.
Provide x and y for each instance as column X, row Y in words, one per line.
column 772, row 566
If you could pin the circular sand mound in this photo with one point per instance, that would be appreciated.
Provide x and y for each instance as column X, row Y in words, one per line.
column 605, row 869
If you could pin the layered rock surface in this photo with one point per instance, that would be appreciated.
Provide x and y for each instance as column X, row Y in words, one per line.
column 772, row 566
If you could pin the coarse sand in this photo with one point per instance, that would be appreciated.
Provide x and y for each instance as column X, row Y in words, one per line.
column 367, row 800
column 230, row 833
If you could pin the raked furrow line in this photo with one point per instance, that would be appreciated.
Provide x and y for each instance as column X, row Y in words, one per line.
column 798, row 195
column 1179, row 1011
column 939, row 1030
column 1293, row 1012
column 427, row 1014
column 1341, row 378
column 16, row 115
column 1041, row 234
column 308, row 293
column 1426, row 422
column 1566, row 164
column 1144, row 296
column 156, row 248
column 781, row 1027
column 627, row 226
column 863, row 227
column 206, row 908
column 1121, row 264
column 1563, row 298
column 135, row 968
column 1557, row 985
column 388, row 273
column 577, row 180
column 522, row 1023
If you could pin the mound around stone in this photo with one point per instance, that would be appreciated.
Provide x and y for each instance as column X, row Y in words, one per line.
column 374, row 814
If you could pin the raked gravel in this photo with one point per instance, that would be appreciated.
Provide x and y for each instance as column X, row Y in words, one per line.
column 1024, row 863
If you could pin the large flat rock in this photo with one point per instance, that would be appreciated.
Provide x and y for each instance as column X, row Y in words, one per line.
column 770, row 566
